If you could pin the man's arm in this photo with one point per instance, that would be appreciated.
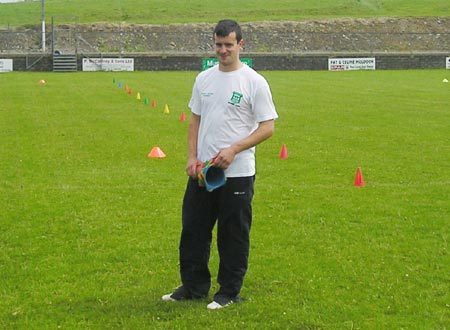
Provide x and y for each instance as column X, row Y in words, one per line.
column 194, row 124
column 264, row 131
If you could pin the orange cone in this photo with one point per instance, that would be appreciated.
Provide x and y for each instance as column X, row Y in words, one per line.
column 183, row 117
column 283, row 153
column 153, row 103
column 359, row 180
column 156, row 152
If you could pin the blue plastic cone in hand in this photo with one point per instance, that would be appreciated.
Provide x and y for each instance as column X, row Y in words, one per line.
column 210, row 176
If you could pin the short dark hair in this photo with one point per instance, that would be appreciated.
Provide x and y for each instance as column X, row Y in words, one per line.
column 227, row 26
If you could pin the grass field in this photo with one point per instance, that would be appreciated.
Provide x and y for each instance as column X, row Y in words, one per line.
column 90, row 224
column 164, row 12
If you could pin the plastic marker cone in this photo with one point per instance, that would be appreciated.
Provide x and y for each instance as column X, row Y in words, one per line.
column 183, row 116
column 156, row 152
column 130, row 91
column 153, row 103
column 42, row 82
column 119, row 85
column 445, row 80
column 166, row 109
column 359, row 180
column 138, row 96
column 114, row 80
column 283, row 153
column 146, row 100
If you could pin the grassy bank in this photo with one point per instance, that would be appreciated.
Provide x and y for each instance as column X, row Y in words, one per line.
column 166, row 12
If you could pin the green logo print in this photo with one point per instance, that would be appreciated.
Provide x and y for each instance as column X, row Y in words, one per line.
column 236, row 98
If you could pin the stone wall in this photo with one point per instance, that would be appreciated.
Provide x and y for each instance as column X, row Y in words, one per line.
column 370, row 35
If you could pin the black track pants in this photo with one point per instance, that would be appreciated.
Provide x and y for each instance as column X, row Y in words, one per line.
column 229, row 206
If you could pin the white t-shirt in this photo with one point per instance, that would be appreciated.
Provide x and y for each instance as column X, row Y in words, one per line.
column 231, row 104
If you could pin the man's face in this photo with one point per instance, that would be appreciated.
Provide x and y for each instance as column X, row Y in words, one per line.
column 227, row 50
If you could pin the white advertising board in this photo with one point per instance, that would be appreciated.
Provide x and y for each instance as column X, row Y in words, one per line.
column 343, row 64
column 6, row 65
column 108, row 64
column 447, row 63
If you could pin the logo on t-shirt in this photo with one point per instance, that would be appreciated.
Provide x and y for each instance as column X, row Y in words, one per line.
column 236, row 98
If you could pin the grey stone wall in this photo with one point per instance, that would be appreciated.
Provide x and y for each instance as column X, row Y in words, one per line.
column 412, row 61
column 370, row 35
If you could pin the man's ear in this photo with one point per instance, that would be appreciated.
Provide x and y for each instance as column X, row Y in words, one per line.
column 241, row 44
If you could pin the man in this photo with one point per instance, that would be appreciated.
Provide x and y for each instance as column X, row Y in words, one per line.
column 232, row 112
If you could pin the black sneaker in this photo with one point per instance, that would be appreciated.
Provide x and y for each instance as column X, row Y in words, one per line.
column 221, row 301
column 179, row 294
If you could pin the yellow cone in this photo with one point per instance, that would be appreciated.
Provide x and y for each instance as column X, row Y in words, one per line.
column 166, row 109
column 138, row 96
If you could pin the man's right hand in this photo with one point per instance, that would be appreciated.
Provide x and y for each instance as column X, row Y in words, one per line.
column 191, row 167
